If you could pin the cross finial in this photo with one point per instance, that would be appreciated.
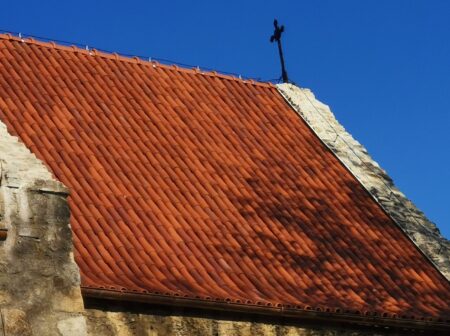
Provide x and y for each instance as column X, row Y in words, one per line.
column 277, row 37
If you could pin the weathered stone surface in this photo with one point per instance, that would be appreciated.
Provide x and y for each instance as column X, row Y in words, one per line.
column 18, row 164
column 15, row 323
column 355, row 157
column 106, row 323
column 39, row 280
column 72, row 326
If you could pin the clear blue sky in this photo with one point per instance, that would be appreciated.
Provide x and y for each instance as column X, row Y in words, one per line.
column 382, row 65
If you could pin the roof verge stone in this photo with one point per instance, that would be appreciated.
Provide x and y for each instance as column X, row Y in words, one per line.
column 375, row 180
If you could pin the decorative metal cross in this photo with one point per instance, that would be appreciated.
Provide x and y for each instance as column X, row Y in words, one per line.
column 277, row 37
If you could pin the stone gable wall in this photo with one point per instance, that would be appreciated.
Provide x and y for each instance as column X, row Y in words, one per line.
column 355, row 157
column 39, row 280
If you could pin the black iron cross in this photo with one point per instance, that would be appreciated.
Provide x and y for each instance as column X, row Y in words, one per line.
column 277, row 37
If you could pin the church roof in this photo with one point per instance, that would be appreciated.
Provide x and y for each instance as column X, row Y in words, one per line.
column 196, row 187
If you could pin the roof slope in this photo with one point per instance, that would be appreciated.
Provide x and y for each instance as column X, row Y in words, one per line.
column 206, row 187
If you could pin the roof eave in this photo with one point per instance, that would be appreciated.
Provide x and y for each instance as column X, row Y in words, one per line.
column 302, row 315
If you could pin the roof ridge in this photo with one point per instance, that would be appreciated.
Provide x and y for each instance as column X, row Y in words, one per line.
column 155, row 62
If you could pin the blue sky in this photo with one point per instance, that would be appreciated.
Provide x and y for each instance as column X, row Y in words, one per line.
column 383, row 66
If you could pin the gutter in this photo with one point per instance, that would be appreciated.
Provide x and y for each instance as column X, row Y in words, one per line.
column 318, row 317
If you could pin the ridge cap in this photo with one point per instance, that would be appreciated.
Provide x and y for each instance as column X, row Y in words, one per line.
column 54, row 44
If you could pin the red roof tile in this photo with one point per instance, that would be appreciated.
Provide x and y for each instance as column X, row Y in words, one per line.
column 205, row 186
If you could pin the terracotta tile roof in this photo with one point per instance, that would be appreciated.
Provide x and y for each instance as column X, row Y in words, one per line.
column 207, row 187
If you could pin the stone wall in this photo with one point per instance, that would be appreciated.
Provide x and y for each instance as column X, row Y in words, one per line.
column 355, row 157
column 104, row 322
column 39, row 280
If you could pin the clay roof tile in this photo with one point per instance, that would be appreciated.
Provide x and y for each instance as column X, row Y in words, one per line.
column 208, row 187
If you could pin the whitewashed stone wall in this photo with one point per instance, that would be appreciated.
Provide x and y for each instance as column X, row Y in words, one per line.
column 39, row 280
column 352, row 154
